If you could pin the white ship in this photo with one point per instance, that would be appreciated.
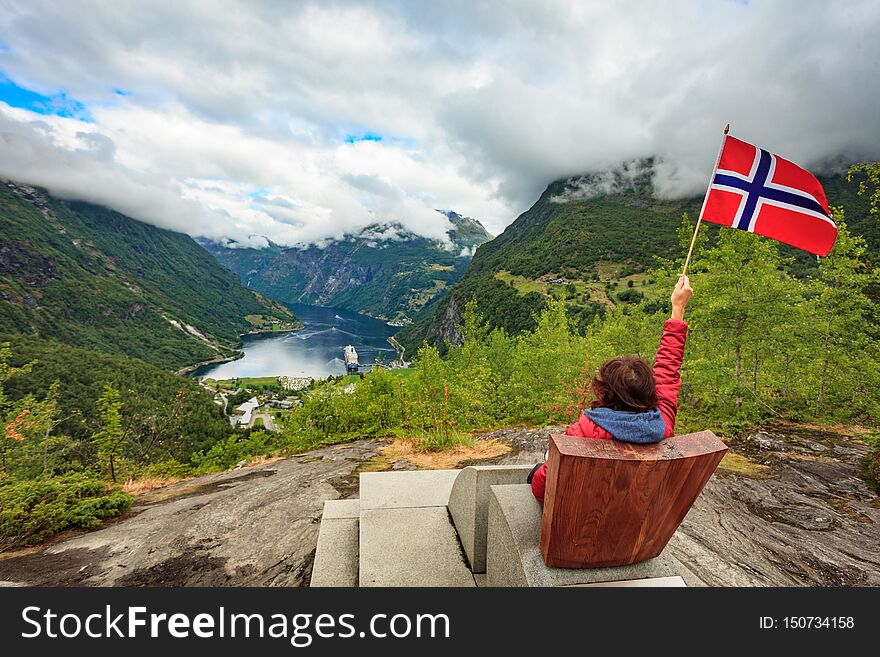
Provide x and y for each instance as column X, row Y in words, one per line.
column 351, row 359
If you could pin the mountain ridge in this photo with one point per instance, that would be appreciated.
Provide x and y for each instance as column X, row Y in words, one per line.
column 583, row 246
column 382, row 270
column 93, row 278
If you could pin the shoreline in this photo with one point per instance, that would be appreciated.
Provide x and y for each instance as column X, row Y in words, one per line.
column 238, row 355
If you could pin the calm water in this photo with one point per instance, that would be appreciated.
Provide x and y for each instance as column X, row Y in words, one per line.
column 314, row 351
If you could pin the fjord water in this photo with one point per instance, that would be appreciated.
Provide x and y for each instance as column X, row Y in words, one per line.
column 315, row 350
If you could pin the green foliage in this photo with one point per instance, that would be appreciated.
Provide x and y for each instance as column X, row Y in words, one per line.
column 31, row 511
column 869, row 184
column 90, row 277
column 164, row 416
column 630, row 295
column 227, row 453
column 108, row 439
column 869, row 467
column 170, row 469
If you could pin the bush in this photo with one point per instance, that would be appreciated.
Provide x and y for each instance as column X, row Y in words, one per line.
column 630, row 295
column 869, row 468
column 226, row 453
column 165, row 470
column 32, row 511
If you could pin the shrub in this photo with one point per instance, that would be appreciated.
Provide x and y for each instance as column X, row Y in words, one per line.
column 165, row 470
column 226, row 453
column 31, row 511
column 630, row 295
column 869, row 468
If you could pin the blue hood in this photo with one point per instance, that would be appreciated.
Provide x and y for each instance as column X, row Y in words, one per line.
column 644, row 427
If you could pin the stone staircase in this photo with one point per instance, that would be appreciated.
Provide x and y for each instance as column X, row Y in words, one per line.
column 464, row 528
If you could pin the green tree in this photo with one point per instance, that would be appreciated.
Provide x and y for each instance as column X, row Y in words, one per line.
column 109, row 438
column 15, row 425
column 743, row 295
column 34, row 455
column 844, row 327
column 872, row 179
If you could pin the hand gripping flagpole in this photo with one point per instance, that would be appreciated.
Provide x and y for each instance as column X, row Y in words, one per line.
column 703, row 208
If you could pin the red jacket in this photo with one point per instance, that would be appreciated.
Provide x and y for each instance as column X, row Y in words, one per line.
column 668, row 381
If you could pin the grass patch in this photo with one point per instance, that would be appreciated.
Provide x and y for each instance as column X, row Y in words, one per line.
column 146, row 484
column 522, row 284
column 413, row 451
column 421, row 297
column 584, row 291
column 734, row 463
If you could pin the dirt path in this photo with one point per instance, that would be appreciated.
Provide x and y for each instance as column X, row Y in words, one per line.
column 788, row 509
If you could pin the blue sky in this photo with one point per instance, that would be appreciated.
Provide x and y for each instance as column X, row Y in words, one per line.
column 58, row 104
column 366, row 136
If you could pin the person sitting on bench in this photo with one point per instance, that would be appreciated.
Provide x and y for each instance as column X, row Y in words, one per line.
column 632, row 403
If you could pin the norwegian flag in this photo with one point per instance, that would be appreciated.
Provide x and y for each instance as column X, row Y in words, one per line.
column 754, row 190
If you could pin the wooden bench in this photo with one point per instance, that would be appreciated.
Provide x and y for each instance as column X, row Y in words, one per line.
column 610, row 503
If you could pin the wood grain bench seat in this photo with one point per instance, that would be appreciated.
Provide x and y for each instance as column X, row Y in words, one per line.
column 610, row 503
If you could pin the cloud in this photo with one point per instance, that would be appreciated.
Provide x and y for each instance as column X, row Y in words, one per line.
column 300, row 122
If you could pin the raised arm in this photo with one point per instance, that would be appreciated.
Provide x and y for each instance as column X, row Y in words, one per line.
column 667, row 365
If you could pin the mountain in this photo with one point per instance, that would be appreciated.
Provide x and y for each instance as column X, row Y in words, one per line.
column 89, row 277
column 174, row 412
column 382, row 270
column 590, row 240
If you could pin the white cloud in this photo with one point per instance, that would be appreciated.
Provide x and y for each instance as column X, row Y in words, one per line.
column 236, row 114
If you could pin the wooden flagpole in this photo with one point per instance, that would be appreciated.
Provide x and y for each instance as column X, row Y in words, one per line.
column 703, row 208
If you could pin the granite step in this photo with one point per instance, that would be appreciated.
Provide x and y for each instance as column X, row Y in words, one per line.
column 337, row 554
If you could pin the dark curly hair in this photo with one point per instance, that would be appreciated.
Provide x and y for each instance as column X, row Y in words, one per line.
column 625, row 383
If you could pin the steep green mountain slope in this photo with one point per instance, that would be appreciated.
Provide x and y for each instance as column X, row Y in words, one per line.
column 591, row 248
column 166, row 415
column 90, row 277
column 383, row 270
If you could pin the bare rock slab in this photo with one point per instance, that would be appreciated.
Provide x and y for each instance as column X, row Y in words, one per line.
column 410, row 546
column 469, row 505
column 406, row 489
column 514, row 552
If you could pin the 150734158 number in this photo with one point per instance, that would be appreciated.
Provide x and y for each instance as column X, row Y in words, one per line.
column 818, row 622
